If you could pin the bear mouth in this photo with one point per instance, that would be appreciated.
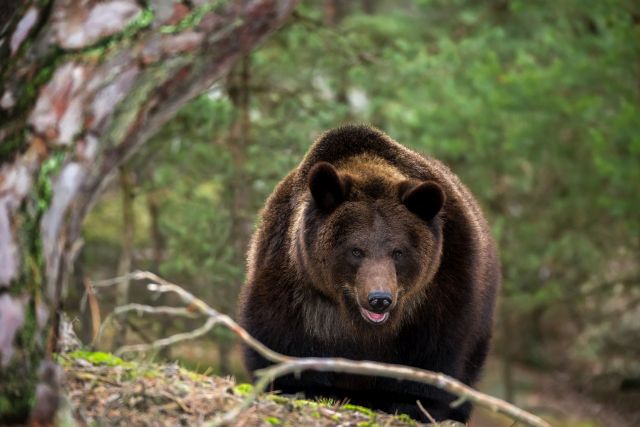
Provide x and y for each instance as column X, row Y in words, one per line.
column 375, row 318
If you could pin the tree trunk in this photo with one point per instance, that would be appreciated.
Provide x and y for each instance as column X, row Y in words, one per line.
column 126, row 255
column 82, row 85
column 238, row 87
column 86, row 324
column 157, row 255
column 155, row 233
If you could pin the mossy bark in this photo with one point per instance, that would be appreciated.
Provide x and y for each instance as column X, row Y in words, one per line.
column 77, row 97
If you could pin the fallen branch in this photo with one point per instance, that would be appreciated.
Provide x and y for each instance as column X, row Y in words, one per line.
column 291, row 365
column 439, row 380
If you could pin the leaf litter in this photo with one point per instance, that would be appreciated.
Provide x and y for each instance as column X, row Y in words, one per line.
column 104, row 390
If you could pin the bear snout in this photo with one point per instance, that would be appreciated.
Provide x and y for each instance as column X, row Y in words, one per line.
column 377, row 311
column 379, row 302
column 377, row 289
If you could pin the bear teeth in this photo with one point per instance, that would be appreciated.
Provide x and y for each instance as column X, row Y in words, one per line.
column 374, row 317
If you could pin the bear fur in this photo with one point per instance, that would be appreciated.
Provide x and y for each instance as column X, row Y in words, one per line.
column 371, row 251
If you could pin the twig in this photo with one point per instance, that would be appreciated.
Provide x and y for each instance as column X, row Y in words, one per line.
column 149, row 309
column 94, row 308
column 140, row 309
column 426, row 413
column 173, row 339
column 138, row 331
column 113, row 281
column 177, row 401
column 195, row 303
column 288, row 365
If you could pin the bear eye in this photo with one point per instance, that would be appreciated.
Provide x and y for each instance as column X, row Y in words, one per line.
column 357, row 252
column 397, row 254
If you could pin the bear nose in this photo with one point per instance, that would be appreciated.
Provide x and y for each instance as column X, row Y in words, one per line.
column 380, row 301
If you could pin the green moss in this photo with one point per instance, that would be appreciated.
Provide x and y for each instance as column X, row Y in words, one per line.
column 45, row 71
column 358, row 408
column 144, row 20
column 44, row 185
column 367, row 424
column 194, row 18
column 316, row 414
column 405, row 419
column 325, row 401
column 299, row 403
column 25, row 95
column 242, row 389
column 278, row 399
column 19, row 378
column 273, row 421
column 12, row 145
column 32, row 210
column 100, row 358
column 193, row 376
column 151, row 373
column 98, row 50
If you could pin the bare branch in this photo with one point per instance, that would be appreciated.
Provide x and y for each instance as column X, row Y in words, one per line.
column 173, row 339
column 285, row 365
column 113, row 281
column 140, row 309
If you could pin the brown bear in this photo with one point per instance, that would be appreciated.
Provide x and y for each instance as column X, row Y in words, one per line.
column 371, row 251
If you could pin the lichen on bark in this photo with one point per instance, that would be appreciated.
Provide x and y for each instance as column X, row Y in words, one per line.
column 18, row 374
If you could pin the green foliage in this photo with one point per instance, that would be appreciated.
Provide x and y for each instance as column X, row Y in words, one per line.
column 533, row 104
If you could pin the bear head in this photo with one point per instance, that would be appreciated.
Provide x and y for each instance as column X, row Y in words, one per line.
column 370, row 240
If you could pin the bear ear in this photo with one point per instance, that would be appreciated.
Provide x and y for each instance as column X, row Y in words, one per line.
column 327, row 188
column 425, row 199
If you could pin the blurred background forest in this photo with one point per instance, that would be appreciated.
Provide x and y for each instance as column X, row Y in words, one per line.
column 535, row 105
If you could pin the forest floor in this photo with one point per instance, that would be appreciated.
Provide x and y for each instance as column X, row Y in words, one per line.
column 104, row 390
